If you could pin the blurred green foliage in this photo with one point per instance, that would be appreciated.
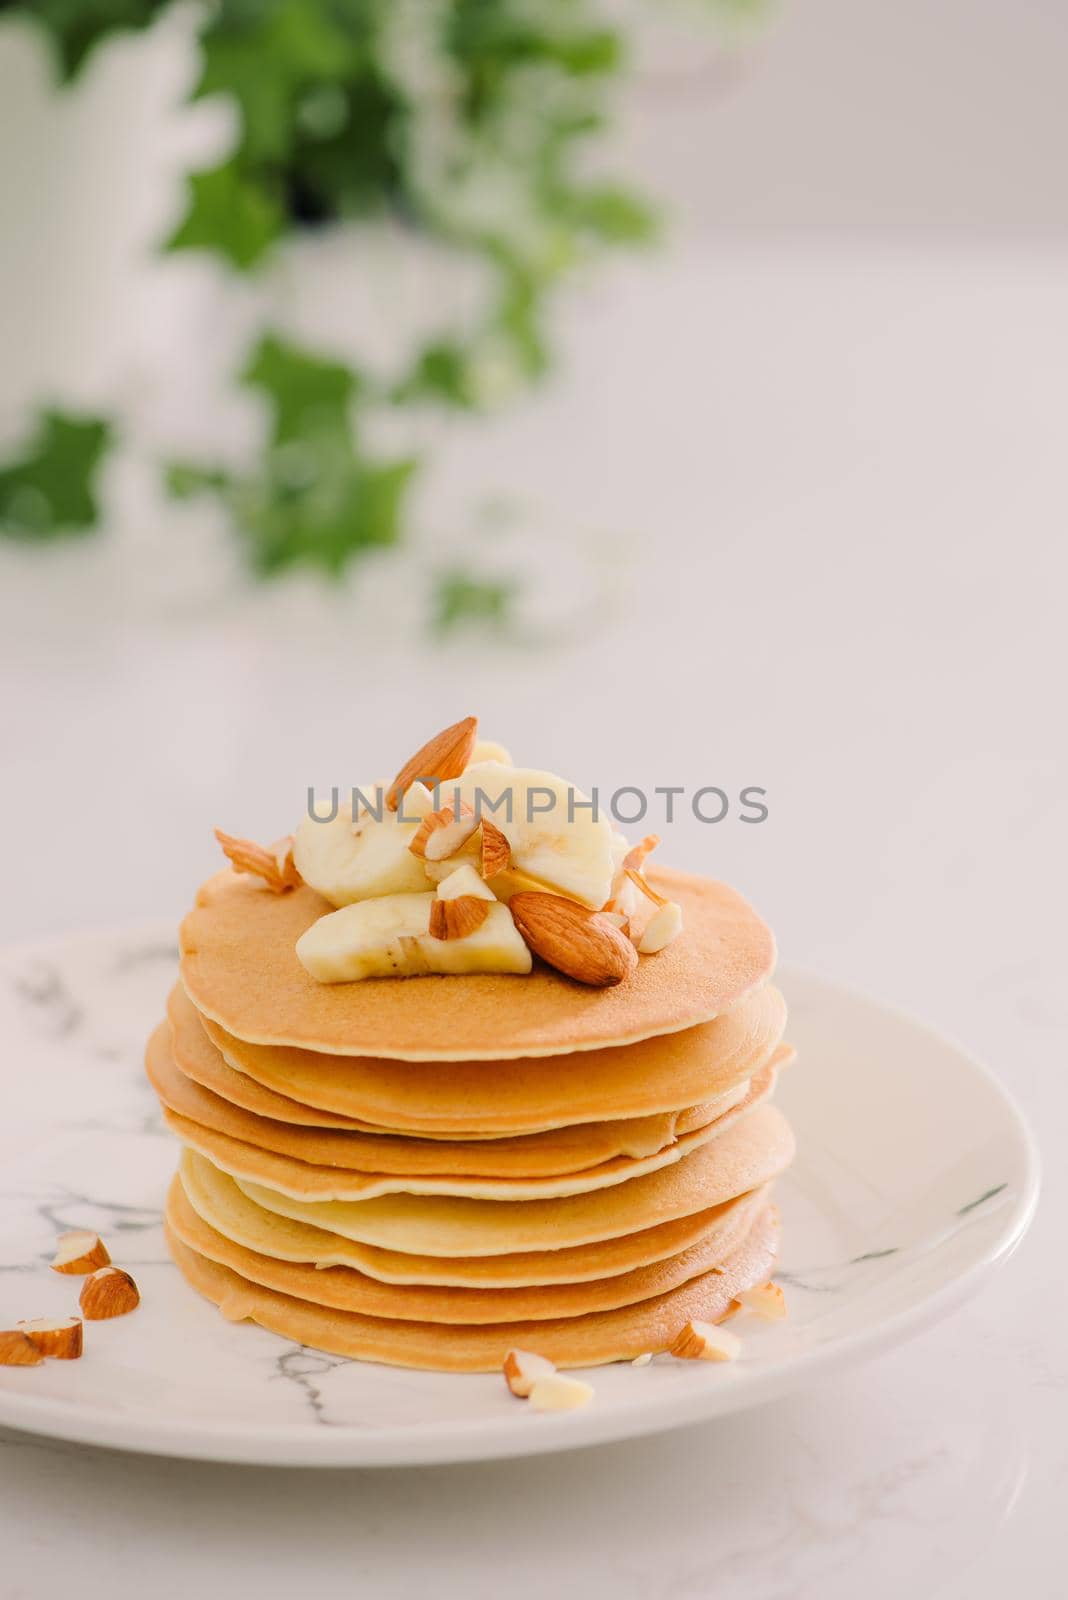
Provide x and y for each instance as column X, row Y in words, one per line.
column 49, row 491
column 463, row 120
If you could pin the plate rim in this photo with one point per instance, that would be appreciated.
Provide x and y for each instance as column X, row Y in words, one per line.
column 305, row 1444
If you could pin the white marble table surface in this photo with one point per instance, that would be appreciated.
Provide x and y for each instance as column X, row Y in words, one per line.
column 852, row 462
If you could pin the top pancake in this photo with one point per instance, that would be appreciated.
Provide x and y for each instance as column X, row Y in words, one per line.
column 240, row 968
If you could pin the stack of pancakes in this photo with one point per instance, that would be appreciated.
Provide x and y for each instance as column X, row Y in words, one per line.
column 432, row 1171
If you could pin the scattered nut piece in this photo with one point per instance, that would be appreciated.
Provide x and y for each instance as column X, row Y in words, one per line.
column 442, row 757
column 275, row 866
column 496, row 851
column 17, row 1349
column 618, row 919
column 664, row 925
column 59, row 1338
column 705, row 1341
column 557, row 1393
column 80, row 1251
column 108, row 1292
column 642, row 1360
column 521, row 1370
column 766, row 1300
column 576, row 941
column 442, row 833
column 455, row 919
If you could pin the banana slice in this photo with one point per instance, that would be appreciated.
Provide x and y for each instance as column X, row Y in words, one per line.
column 348, row 861
column 486, row 750
column 555, row 844
column 390, row 938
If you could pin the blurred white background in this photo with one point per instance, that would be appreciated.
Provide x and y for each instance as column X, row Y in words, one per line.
column 795, row 509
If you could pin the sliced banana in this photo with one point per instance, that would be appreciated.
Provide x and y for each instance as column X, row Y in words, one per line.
column 390, row 938
column 556, row 841
column 347, row 860
column 465, row 880
column 486, row 750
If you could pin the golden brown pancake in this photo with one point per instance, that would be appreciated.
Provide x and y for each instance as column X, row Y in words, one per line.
column 529, row 1094
column 400, row 1166
column 599, row 1336
column 212, row 1193
column 344, row 1289
column 537, row 1157
column 554, row 1150
column 300, row 1180
column 755, row 1149
column 223, row 1206
column 239, row 967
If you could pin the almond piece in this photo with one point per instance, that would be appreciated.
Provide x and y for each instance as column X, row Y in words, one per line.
column 705, row 1341
column 80, row 1251
column 18, row 1350
column 640, row 882
column 275, row 865
column 496, row 851
column 455, row 919
column 442, row 833
column 581, row 943
column 636, row 856
column 522, row 1368
column 643, row 1360
column 618, row 919
column 664, row 925
column 557, row 1393
column 108, row 1292
column 443, row 757
column 766, row 1300
column 59, row 1338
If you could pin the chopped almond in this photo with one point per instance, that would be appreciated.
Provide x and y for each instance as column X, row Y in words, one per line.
column 442, row 833
column 521, row 1370
column 275, row 866
column 80, row 1251
column 635, row 857
column 663, row 926
column 706, row 1341
column 643, row 1360
column 456, row 918
column 108, row 1292
column 641, row 882
column 496, row 851
column 59, row 1338
column 557, row 1393
column 766, row 1300
column 17, row 1349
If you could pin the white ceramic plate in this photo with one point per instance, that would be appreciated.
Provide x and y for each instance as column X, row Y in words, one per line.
column 915, row 1176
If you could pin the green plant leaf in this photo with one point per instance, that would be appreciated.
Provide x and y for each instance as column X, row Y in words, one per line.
column 230, row 215
column 461, row 600
column 307, row 394
column 49, row 492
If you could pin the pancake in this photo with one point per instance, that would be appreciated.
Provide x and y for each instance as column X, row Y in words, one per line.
column 223, row 1206
column 239, row 967
column 510, row 1096
column 304, row 1181
column 557, row 1150
column 344, row 1289
column 599, row 1336
column 751, row 1152
column 537, row 1156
